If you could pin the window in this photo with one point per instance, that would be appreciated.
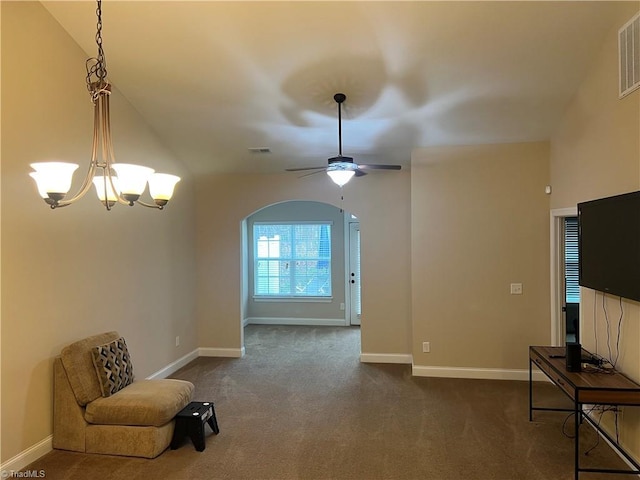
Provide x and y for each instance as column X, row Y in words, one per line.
column 292, row 260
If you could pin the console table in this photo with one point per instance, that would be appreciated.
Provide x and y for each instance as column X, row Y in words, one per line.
column 584, row 388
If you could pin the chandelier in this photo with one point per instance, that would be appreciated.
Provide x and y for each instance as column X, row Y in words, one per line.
column 114, row 182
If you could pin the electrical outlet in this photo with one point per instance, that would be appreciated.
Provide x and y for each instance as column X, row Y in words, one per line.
column 516, row 289
column 177, row 341
column 426, row 347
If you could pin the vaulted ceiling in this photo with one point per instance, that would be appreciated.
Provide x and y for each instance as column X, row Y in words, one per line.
column 215, row 79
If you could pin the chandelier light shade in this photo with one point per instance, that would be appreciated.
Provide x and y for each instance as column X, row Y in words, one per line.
column 161, row 186
column 107, row 193
column 53, row 179
column 132, row 179
column 114, row 182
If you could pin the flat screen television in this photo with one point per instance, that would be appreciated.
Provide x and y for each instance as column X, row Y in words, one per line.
column 609, row 245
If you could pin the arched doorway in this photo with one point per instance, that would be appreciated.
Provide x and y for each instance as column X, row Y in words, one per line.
column 300, row 266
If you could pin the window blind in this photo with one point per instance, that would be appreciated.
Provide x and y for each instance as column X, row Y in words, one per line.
column 292, row 260
column 572, row 288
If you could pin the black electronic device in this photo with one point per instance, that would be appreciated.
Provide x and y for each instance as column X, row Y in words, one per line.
column 574, row 357
column 609, row 245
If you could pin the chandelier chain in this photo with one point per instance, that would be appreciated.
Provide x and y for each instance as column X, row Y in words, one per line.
column 97, row 66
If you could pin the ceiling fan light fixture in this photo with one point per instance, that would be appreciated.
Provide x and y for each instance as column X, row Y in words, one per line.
column 341, row 173
column 341, row 168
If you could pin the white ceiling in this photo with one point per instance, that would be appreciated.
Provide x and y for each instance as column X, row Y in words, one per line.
column 217, row 78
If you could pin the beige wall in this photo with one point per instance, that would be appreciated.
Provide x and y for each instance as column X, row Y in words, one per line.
column 379, row 200
column 80, row 270
column 479, row 222
column 596, row 153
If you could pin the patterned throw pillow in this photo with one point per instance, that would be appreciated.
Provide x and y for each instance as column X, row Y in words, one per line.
column 113, row 366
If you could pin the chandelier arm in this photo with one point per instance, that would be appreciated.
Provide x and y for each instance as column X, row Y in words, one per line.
column 107, row 147
column 86, row 184
column 105, row 131
column 106, row 178
column 149, row 205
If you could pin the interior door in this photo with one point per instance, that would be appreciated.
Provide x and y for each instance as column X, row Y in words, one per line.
column 354, row 274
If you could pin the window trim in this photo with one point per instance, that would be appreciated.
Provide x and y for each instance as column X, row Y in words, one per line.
column 290, row 299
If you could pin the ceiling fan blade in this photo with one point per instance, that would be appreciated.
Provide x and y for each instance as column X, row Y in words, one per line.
column 304, row 168
column 360, row 173
column 312, row 173
column 370, row 166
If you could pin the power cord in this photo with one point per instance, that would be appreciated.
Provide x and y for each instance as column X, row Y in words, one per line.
column 564, row 424
column 606, row 319
column 613, row 361
column 618, row 337
column 613, row 409
column 595, row 324
column 601, row 367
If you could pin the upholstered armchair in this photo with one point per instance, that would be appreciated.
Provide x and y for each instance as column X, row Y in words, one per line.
column 98, row 408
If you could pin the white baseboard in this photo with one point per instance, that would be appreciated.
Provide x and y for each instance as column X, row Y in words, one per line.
column 24, row 458
column 319, row 322
column 221, row 352
column 386, row 358
column 174, row 366
column 476, row 373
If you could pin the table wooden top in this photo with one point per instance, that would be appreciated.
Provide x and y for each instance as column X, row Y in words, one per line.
column 612, row 380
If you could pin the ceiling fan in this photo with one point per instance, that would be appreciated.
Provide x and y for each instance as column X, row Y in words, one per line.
column 342, row 168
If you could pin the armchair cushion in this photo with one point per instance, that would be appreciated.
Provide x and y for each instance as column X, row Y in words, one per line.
column 78, row 364
column 143, row 403
column 113, row 366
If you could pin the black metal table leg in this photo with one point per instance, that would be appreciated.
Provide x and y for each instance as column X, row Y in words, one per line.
column 577, row 421
column 530, row 390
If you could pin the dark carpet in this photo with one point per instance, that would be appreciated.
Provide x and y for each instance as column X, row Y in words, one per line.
column 300, row 405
